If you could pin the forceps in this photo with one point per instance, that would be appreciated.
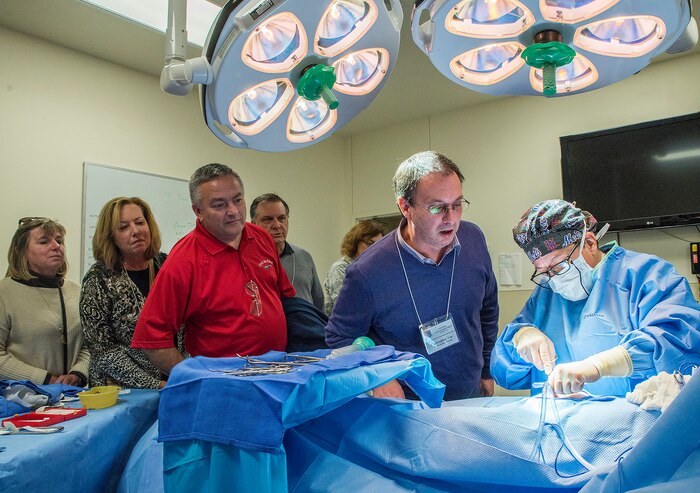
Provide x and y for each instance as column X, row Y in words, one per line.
column 255, row 366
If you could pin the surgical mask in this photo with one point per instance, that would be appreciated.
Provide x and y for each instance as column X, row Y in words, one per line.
column 576, row 283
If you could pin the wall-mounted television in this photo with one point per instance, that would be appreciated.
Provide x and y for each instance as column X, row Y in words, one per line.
column 636, row 177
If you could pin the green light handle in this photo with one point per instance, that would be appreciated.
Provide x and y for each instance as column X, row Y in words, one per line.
column 316, row 82
column 548, row 56
column 328, row 97
column 549, row 79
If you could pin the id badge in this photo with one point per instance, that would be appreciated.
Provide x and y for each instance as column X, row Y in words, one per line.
column 438, row 334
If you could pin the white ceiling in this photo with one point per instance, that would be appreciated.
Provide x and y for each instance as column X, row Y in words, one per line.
column 415, row 89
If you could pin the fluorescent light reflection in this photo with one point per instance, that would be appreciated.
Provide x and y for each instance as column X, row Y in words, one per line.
column 276, row 45
column 342, row 24
column 360, row 72
column 154, row 14
column 570, row 78
column 489, row 64
column 253, row 110
column 309, row 120
column 573, row 11
column 629, row 36
column 489, row 18
column 678, row 155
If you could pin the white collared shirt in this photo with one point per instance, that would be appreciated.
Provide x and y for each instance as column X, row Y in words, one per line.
column 408, row 248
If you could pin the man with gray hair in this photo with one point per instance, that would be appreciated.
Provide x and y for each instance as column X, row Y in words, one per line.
column 427, row 287
column 271, row 212
column 223, row 282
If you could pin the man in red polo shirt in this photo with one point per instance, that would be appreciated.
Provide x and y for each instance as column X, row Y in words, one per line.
column 223, row 281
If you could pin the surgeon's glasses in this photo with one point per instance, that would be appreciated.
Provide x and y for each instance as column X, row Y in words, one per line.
column 542, row 278
column 442, row 209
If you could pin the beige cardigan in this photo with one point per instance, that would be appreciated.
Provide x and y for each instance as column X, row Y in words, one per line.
column 31, row 327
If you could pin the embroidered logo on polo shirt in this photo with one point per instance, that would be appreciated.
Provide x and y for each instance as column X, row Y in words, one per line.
column 265, row 264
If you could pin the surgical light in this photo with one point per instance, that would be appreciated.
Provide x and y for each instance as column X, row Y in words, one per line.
column 569, row 46
column 489, row 18
column 488, row 64
column 278, row 75
column 342, row 24
column 630, row 36
column 277, row 45
column 361, row 71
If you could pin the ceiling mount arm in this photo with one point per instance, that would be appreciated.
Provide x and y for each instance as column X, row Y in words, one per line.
column 179, row 73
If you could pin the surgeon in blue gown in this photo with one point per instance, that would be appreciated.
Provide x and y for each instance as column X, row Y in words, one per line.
column 601, row 316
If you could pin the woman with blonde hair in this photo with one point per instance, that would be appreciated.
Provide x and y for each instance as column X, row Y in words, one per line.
column 40, row 335
column 356, row 241
column 126, row 247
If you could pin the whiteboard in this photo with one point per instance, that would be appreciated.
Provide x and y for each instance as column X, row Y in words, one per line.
column 168, row 197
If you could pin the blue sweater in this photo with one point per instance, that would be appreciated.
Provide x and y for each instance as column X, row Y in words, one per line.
column 375, row 301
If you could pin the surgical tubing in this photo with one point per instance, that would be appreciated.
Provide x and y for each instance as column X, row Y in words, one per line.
column 615, row 362
column 537, row 447
column 547, row 395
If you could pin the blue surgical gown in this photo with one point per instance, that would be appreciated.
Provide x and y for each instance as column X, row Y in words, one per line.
column 638, row 301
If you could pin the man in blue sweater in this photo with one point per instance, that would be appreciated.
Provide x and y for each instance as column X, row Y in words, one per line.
column 427, row 287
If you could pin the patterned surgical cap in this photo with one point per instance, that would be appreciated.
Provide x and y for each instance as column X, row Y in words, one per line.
column 551, row 225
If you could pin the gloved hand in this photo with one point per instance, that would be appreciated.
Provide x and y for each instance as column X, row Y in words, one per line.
column 657, row 393
column 536, row 348
column 568, row 378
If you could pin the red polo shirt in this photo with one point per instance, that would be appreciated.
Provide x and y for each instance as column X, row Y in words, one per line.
column 202, row 286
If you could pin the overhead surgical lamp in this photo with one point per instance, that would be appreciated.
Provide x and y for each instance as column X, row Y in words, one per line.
column 555, row 47
column 278, row 75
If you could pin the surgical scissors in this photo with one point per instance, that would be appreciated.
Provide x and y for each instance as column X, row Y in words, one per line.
column 256, row 366
column 679, row 378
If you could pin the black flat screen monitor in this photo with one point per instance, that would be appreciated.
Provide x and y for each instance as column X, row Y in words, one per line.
column 636, row 177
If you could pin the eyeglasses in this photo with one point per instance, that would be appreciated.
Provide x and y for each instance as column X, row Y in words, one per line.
column 30, row 219
column 255, row 305
column 542, row 278
column 442, row 209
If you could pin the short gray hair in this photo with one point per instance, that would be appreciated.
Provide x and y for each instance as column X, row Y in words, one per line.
column 419, row 165
column 206, row 173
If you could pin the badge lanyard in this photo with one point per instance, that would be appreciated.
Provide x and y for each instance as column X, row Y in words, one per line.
column 439, row 333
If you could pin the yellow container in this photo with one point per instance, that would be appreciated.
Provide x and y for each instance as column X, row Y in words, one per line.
column 99, row 397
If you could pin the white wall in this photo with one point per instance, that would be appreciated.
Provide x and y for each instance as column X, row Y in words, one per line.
column 509, row 153
column 59, row 108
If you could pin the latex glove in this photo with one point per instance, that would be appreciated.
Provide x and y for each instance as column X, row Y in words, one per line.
column 657, row 393
column 536, row 348
column 569, row 378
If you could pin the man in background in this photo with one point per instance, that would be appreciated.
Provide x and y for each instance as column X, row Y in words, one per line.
column 428, row 286
column 271, row 212
column 223, row 282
